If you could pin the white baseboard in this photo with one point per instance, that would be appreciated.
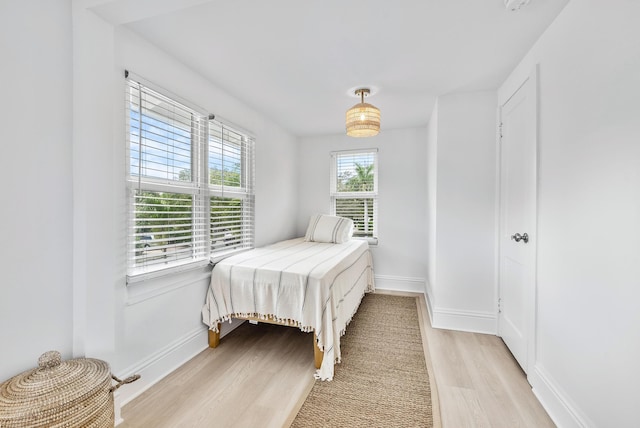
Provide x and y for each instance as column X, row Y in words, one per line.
column 455, row 319
column 445, row 318
column 399, row 283
column 430, row 304
column 117, row 407
column 161, row 363
column 562, row 410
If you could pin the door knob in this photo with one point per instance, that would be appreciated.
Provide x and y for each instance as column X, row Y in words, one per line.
column 517, row 237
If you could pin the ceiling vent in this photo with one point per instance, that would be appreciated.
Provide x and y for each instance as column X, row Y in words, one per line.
column 515, row 5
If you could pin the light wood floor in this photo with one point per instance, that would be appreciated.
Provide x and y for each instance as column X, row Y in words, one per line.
column 260, row 375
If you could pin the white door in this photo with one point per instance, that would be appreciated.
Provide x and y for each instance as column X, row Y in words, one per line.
column 516, row 318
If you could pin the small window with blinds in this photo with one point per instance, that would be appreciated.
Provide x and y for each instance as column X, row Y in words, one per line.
column 190, row 185
column 354, row 190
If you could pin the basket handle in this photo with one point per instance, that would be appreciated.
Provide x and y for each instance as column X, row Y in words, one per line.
column 130, row 379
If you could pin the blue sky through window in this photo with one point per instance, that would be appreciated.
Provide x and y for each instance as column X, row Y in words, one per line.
column 164, row 150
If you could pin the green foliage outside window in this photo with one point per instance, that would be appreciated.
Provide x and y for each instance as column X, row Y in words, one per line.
column 163, row 223
column 218, row 177
column 361, row 211
column 361, row 181
column 231, row 178
column 226, row 222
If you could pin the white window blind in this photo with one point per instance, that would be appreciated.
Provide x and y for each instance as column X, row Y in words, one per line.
column 190, row 184
column 231, row 172
column 354, row 189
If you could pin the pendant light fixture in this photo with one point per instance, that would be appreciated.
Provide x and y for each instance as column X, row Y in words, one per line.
column 363, row 120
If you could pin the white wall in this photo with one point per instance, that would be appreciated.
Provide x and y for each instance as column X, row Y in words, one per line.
column 399, row 256
column 588, row 323
column 63, row 258
column 95, row 230
column 462, row 201
column 36, row 215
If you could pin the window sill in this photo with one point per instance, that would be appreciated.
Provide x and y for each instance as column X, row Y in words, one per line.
column 373, row 242
column 145, row 275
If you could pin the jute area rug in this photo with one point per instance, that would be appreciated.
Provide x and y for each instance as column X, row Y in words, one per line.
column 382, row 380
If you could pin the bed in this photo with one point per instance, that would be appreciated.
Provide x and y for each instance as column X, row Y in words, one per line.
column 306, row 283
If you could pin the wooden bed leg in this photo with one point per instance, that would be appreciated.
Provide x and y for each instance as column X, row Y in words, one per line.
column 214, row 338
column 317, row 353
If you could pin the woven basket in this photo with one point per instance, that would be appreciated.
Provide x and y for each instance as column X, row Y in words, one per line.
column 72, row 393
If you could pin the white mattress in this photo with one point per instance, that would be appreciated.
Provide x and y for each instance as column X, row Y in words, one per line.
column 313, row 286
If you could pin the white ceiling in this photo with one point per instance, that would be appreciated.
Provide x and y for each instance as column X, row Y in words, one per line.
column 295, row 61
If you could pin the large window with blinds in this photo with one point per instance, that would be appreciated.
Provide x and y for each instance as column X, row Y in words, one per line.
column 354, row 190
column 190, row 185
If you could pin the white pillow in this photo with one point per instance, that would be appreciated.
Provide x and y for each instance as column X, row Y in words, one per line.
column 329, row 228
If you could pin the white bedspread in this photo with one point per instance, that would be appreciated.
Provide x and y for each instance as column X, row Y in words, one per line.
column 313, row 286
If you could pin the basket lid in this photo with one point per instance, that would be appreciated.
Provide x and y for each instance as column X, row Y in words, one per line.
column 52, row 384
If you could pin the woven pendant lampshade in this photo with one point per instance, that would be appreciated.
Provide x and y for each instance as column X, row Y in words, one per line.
column 363, row 119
